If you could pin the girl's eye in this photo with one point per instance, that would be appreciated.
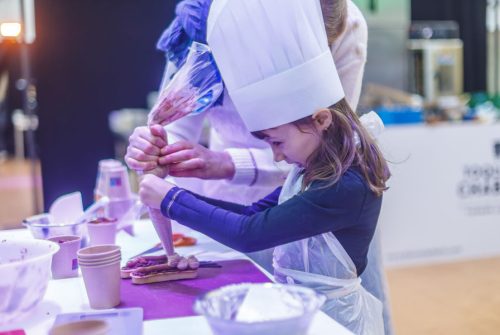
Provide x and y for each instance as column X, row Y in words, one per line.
column 276, row 143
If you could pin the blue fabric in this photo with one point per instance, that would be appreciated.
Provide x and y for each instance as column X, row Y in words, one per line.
column 193, row 15
column 189, row 25
column 175, row 43
column 348, row 209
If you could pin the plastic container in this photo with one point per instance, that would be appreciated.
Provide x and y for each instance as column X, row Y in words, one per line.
column 400, row 115
column 104, row 166
column 223, row 307
column 25, row 268
column 43, row 226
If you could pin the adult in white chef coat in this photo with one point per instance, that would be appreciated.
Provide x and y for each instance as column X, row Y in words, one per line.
column 238, row 167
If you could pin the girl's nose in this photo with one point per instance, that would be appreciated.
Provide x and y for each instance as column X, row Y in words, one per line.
column 278, row 155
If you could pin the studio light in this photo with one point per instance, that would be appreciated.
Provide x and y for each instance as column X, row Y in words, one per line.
column 9, row 30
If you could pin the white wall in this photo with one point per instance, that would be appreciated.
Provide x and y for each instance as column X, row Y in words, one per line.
column 444, row 198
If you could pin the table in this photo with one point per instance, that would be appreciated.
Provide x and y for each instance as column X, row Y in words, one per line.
column 68, row 295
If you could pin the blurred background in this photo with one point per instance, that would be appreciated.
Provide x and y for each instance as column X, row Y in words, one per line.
column 76, row 77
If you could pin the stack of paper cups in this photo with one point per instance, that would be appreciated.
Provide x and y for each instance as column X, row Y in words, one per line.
column 101, row 274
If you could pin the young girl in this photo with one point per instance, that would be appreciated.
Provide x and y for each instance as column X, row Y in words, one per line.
column 322, row 220
column 236, row 166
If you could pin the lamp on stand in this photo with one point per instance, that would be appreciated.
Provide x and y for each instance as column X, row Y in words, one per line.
column 21, row 31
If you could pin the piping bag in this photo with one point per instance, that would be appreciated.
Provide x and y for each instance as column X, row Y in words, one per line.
column 162, row 225
column 195, row 87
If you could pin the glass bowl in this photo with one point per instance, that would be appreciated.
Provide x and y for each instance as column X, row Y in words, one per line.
column 264, row 309
column 42, row 226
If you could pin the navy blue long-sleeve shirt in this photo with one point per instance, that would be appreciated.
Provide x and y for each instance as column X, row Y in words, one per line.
column 348, row 209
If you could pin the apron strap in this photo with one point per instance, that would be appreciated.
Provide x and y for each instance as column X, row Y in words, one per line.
column 337, row 287
column 338, row 250
column 305, row 277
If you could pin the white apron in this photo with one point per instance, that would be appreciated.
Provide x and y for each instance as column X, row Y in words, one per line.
column 320, row 262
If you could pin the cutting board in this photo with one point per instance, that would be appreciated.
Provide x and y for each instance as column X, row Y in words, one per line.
column 176, row 298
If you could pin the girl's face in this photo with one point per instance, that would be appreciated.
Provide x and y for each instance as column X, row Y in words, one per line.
column 292, row 144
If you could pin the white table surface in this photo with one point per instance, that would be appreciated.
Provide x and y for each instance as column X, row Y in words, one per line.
column 69, row 296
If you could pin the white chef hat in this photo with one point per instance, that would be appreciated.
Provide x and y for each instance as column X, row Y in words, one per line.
column 274, row 58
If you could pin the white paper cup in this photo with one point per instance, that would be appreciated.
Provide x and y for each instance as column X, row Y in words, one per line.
column 102, row 233
column 64, row 262
column 102, row 284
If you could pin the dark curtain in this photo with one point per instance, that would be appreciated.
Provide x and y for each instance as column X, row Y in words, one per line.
column 471, row 16
column 90, row 57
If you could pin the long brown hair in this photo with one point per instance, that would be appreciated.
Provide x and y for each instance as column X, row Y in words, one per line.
column 339, row 150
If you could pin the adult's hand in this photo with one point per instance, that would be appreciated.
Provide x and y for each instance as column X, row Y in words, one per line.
column 144, row 150
column 186, row 159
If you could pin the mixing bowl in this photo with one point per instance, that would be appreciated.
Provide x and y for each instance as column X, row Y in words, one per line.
column 42, row 226
column 25, row 271
column 264, row 309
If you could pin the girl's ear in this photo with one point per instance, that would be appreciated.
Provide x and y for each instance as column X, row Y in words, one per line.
column 322, row 119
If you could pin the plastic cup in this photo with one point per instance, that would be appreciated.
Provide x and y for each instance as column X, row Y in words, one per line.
column 118, row 208
column 102, row 283
column 82, row 327
column 117, row 185
column 64, row 262
column 102, row 233
column 104, row 166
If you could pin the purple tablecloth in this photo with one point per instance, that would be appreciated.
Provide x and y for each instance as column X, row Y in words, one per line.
column 176, row 298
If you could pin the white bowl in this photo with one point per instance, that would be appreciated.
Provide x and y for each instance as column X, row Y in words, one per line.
column 25, row 272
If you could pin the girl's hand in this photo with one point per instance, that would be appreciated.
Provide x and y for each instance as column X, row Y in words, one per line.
column 152, row 190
